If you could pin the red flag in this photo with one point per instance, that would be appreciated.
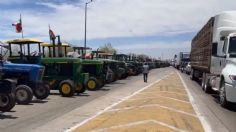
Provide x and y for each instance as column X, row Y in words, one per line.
column 51, row 35
column 18, row 26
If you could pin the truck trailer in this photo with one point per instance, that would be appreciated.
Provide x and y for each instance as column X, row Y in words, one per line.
column 213, row 57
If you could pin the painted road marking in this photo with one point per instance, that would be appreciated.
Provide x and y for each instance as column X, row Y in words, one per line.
column 139, row 112
column 204, row 123
column 163, row 92
column 159, row 96
column 139, row 123
column 109, row 107
column 154, row 105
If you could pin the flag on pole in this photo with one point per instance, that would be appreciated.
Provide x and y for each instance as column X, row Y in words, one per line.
column 18, row 26
column 51, row 35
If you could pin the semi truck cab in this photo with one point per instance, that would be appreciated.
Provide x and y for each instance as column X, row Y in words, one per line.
column 228, row 66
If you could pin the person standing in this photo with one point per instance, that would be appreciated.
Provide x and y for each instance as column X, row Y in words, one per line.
column 145, row 72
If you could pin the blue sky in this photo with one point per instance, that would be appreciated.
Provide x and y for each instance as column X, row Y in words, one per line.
column 158, row 28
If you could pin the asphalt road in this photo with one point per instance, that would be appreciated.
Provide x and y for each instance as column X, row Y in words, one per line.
column 30, row 117
column 220, row 119
column 45, row 114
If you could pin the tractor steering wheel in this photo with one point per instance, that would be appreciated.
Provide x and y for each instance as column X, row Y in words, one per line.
column 33, row 53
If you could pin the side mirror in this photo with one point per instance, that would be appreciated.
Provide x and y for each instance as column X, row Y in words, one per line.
column 222, row 38
column 214, row 49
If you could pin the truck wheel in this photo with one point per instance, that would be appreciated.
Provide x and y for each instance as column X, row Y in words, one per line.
column 192, row 74
column 24, row 94
column 42, row 91
column 80, row 88
column 223, row 101
column 100, row 83
column 92, row 84
column 205, row 84
column 7, row 102
column 67, row 88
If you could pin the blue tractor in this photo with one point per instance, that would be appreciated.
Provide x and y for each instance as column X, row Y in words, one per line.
column 28, row 78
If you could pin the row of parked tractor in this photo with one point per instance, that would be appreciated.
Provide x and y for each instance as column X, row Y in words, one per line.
column 31, row 68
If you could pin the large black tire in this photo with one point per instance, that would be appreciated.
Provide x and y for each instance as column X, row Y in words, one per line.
column 80, row 88
column 24, row 94
column 7, row 102
column 92, row 84
column 223, row 101
column 42, row 91
column 67, row 88
column 192, row 77
column 101, row 83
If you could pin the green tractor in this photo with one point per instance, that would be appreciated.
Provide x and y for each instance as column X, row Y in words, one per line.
column 61, row 73
column 92, row 66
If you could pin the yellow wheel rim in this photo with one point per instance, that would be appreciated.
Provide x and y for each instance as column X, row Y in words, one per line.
column 65, row 88
column 91, row 84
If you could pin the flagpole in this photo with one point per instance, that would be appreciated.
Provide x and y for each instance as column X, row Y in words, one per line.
column 22, row 34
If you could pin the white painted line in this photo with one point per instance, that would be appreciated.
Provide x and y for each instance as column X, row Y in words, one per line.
column 139, row 123
column 153, row 105
column 159, row 96
column 164, row 92
column 205, row 124
column 169, row 88
column 109, row 107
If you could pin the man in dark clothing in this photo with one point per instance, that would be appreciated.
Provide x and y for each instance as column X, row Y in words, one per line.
column 145, row 72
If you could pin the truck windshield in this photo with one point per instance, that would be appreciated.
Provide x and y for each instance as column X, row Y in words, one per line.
column 232, row 45
column 185, row 56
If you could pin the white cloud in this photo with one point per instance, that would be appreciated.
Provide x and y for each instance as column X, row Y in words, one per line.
column 121, row 18
column 155, row 45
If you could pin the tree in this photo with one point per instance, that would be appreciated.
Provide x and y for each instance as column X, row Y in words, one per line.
column 108, row 48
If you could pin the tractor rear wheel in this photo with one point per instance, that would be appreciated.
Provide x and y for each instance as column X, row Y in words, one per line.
column 7, row 102
column 101, row 83
column 67, row 88
column 92, row 84
column 42, row 91
column 80, row 88
column 24, row 94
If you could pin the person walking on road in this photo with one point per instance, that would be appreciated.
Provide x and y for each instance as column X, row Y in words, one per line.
column 145, row 72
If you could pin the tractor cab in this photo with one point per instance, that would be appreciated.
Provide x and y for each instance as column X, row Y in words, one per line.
column 63, row 73
column 81, row 52
column 24, row 50
column 90, row 65
column 48, row 50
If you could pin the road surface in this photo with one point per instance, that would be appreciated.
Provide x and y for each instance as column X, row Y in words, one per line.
column 59, row 114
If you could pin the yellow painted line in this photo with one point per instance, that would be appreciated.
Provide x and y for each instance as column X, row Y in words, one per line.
column 162, row 106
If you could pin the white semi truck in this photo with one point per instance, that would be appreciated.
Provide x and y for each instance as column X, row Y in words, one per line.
column 181, row 60
column 213, row 56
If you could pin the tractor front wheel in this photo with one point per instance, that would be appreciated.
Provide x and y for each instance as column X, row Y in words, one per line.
column 7, row 102
column 42, row 91
column 67, row 88
column 24, row 94
column 92, row 84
